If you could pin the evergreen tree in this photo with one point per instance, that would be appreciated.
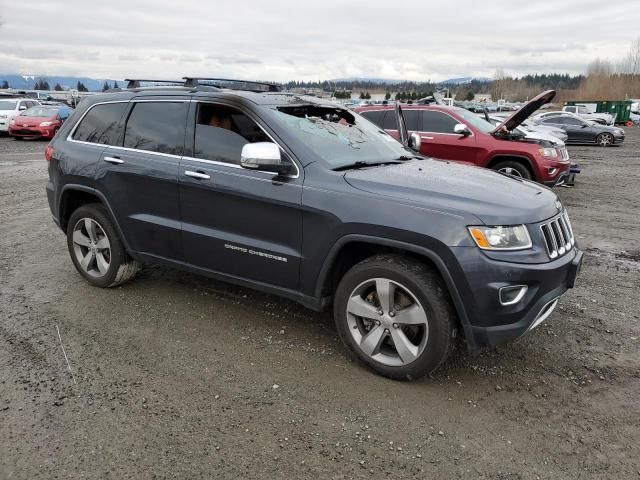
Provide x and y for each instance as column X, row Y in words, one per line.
column 80, row 87
column 115, row 84
column 387, row 96
column 58, row 87
column 106, row 86
column 5, row 84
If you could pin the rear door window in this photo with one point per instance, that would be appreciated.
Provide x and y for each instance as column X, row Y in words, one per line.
column 375, row 116
column 437, row 122
column 157, row 127
column 101, row 124
column 411, row 117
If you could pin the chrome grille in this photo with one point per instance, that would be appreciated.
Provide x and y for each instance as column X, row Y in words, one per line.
column 558, row 235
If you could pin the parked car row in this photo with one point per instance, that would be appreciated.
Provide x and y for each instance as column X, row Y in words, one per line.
column 10, row 108
column 453, row 133
column 581, row 131
column 26, row 118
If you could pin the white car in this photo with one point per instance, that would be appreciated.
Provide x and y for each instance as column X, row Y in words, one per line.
column 587, row 114
column 11, row 108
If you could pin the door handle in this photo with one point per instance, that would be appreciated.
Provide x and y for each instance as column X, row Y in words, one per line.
column 426, row 138
column 114, row 160
column 198, row 175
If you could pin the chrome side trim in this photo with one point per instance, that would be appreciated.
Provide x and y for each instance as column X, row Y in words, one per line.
column 544, row 314
column 127, row 149
column 520, row 296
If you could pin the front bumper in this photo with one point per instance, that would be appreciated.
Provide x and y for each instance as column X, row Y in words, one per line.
column 618, row 138
column 491, row 323
column 32, row 132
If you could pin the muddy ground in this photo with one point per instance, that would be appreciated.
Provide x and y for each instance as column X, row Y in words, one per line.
column 177, row 376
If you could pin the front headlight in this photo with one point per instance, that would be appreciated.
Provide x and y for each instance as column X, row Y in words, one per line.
column 548, row 152
column 515, row 237
column 46, row 124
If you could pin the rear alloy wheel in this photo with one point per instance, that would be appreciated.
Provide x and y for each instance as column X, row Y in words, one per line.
column 604, row 139
column 515, row 169
column 394, row 315
column 96, row 250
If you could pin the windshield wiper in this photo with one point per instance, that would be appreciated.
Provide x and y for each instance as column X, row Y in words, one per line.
column 362, row 164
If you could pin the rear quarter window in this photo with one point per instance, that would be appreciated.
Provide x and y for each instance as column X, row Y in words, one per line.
column 101, row 124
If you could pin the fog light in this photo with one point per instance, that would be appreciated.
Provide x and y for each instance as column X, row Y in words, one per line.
column 512, row 294
column 552, row 171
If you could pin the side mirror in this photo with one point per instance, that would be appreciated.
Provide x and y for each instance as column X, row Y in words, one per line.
column 22, row 107
column 263, row 156
column 415, row 142
column 461, row 129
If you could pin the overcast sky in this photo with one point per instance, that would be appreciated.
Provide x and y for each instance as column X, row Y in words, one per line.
column 300, row 40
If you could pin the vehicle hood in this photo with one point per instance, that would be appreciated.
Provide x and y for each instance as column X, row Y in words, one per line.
column 494, row 198
column 23, row 120
column 606, row 128
column 544, row 136
column 527, row 109
column 8, row 112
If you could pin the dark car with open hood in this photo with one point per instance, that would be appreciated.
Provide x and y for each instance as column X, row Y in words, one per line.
column 456, row 134
column 305, row 199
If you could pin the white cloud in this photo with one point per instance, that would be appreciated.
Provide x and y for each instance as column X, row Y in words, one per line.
column 284, row 39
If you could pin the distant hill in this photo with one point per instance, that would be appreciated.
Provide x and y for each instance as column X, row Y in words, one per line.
column 28, row 81
column 464, row 80
column 367, row 79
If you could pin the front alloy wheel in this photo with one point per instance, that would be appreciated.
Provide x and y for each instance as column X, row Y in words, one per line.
column 510, row 171
column 605, row 139
column 395, row 316
column 387, row 322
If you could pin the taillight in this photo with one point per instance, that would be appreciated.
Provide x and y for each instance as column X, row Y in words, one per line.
column 48, row 153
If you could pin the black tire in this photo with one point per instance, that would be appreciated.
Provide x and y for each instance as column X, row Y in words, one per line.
column 121, row 268
column 514, row 168
column 605, row 139
column 426, row 286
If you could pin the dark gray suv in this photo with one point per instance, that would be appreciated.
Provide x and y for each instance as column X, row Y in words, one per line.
column 302, row 198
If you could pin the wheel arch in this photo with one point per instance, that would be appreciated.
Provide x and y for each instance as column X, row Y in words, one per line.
column 339, row 260
column 74, row 196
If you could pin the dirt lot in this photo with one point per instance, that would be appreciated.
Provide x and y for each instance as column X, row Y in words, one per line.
column 177, row 376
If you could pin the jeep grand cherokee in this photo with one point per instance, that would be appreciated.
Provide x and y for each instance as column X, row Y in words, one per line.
column 302, row 198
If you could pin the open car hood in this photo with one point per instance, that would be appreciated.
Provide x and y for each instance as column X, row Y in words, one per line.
column 527, row 109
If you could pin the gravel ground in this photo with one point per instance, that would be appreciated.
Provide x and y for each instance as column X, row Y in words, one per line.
column 177, row 376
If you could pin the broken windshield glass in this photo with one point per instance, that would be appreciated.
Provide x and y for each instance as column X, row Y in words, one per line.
column 338, row 136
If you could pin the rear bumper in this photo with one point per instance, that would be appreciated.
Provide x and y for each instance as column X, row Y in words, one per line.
column 492, row 323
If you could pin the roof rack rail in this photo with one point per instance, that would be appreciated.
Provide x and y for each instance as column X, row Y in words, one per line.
column 232, row 84
column 135, row 82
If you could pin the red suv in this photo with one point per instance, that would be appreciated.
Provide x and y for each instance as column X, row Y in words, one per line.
column 452, row 133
